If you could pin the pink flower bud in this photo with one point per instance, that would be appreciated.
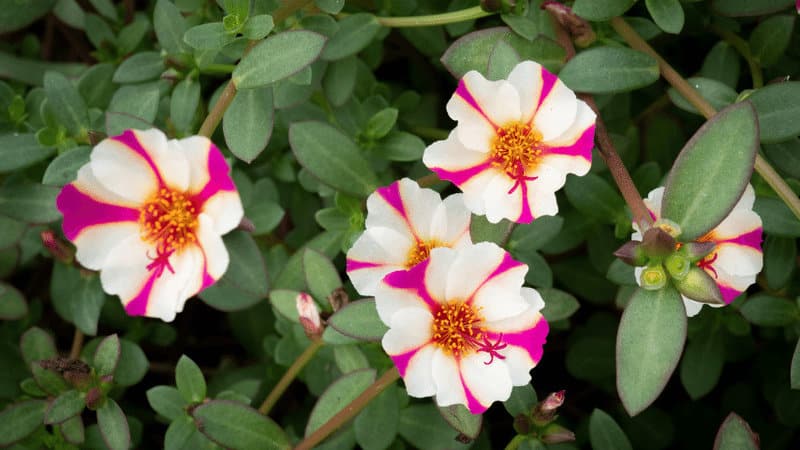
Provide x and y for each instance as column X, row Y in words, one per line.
column 553, row 401
column 309, row 315
column 56, row 247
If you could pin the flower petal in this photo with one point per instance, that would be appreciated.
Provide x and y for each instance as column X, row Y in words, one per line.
column 484, row 383
column 450, row 223
column 225, row 207
column 572, row 151
column 557, row 111
column 125, row 269
column 95, row 243
column 416, row 369
column 446, row 376
column 123, row 171
column 83, row 212
column 167, row 161
column 420, row 206
column 376, row 253
column 214, row 253
column 454, row 162
column 500, row 296
column 738, row 259
column 474, row 266
column 528, row 79
column 503, row 200
column 410, row 329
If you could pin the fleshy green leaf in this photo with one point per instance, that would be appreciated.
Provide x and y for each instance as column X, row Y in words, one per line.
column 66, row 103
column 702, row 187
column 106, row 357
column 77, row 297
column 258, row 27
column 649, row 344
column 605, row 70
column 716, row 92
column 17, row 15
column 278, row 57
column 20, row 419
column 780, row 255
column 502, row 61
column 208, row 36
column 284, row 301
column 184, row 102
column 769, row 311
column 12, row 303
column 132, row 107
column 400, row 146
column 355, row 32
column 605, row 434
column 463, row 421
column 743, row 8
column 794, row 371
column 31, row 203
column 702, row 362
column 777, row 105
column 338, row 395
column 359, row 319
column 113, row 426
column 167, row 401
column 558, row 305
column 777, row 218
column 321, row 275
column 770, row 38
column 73, row 430
column 245, row 282
column 132, row 365
column 340, row 80
column 332, row 157
column 144, row 66
column 376, row 425
column 594, row 197
column 522, row 400
column 600, row 10
column 18, row 151
column 722, row 63
column 189, row 380
column 36, row 345
column 64, row 168
column 49, row 380
column 668, row 14
column 247, row 123
column 65, row 406
column 232, row 424
column 170, row 26
column 735, row 434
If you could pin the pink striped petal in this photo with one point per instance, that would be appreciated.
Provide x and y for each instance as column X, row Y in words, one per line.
column 528, row 79
column 415, row 367
column 475, row 266
column 483, row 383
column 82, row 211
column 557, row 111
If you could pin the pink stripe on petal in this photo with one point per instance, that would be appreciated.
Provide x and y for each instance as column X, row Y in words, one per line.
column 81, row 211
column 729, row 294
column 219, row 178
column 749, row 239
column 138, row 304
column 474, row 406
column 129, row 139
column 391, row 194
column 460, row 177
column 505, row 265
column 463, row 91
column 403, row 360
column 413, row 280
column 531, row 340
column 526, row 216
column 353, row 264
column 548, row 81
column 582, row 147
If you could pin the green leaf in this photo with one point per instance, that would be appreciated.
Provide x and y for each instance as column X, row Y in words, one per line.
column 285, row 302
column 106, row 357
column 31, row 71
column 182, row 434
column 12, row 303
column 702, row 188
column 20, row 419
column 245, row 282
column 743, row 8
column 248, row 122
column 95, row 85
column 359, row 320
column 278, row 57
column 522, row 400
column 594, row 197
column 649, row 344
column 132, row 365
column 349, row 358
column 208, row 36
column 18, row 151
column 338, row 395
column 258, row 27
column 143, row 66
column 170, row 26
column 605, row 434
column 184, row 102
column 795, row 367
column 132, row 107
column 702, row 362
column 558, row 305
column 606, row 70
column 381, row 123
column 722, row 64
column 768, row 311
column 735, row 434
column 167, row 401
column 49, row 380
column 132, row 34
column 235, row 425
column 777, row 105
column 332, row 157
column 65, row 406
column 769, row 40
column 780, row 255
column 400, row 146
column 73, row 430
column 533, row 236
column 463, row 421
column 17, row 15
column 190, row 381
column 600, row 10
column 77, row 297
column 322, row 278
column 106, row 8
column 376, row 425
column 113, row 426
column 778, row 220
column 423, row 427
column 785, row 156
column 715, row 92
column 64, row 168
column 66, row 103
column 502, row 61
column 69, row 12
column 330, row 6
column 36, row 345
column 355, row 32
column 668, row 14
column 32, row 203
column 340, row 80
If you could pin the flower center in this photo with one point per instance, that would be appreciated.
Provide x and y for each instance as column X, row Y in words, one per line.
column 457, row 330
column 707, row 263
column 168, row 219
column 420, row 252
column 515, row 148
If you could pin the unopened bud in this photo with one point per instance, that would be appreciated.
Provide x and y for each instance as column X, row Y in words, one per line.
column 669, row 227
column 580, row 30
column 556, row 434
column 553, row 401
column 657, row 243
column 677, row 265
column 653, row 277
column 696, row 251
column 699, row 286
column 309, row 315
column 338, row 299
column 58, row 249
column 545, row 411
column 631, row 253
column 93, row 398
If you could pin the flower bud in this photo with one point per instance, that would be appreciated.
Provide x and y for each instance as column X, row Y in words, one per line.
column 93, row 398
column 700, row 287
column 677, row 266
column 653, row 277
column 657, row 243
column 580, row 30
column 309, row 315
column 338, row 299
column 631, row 253
column 58, row 249
column 545, row 411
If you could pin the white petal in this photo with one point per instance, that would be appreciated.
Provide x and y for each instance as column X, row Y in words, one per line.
column 585, row 117
column 526, row 77
column 382, row 214
column 436, row 275
column 556, row 113
column 451, row 155
column 486, row 382
column 420, row 205
column 168, row 158
column 450, row 223
column 411, row 328
column 533, row 298
column 653, row 201
column 225, row 207
column 738, row 222
column 471, row 268
column 519, row 364
column 95, row 243
column 500, row 297
column 475, row 190
column 213, row 248
column 446, row 377
column 369, row 248
column 738, row 259
column 692, row 307
column 171, row 290
column 419, row 373
column 748, row 198
column 123, row 172
column 389, row 301
column 499, row 203
column 86, row 182
column 195, row 149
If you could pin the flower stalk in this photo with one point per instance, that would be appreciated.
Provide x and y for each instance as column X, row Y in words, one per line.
column 476, row 12
column 289, row 376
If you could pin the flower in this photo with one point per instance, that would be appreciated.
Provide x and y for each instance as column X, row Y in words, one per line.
column 515, row 142
column 149, row 214
column 308, row 313
column 404, row 222
column 461, row 326
column 737, row 257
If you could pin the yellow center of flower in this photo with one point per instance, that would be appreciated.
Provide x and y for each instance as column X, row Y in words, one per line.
column 456, row 328
column 420, row 251
column 516, row 148
column 168, row 219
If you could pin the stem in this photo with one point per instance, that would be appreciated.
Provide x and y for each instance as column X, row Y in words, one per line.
column 289, row 376
column 689, row 93
column 218, row 68
column 348, row 412
column 77, row 344
column 607, row 150
column 434, row 19
column 743, row 48
column 214, row 116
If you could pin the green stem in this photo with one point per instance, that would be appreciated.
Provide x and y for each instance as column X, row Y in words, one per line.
column 434, row 19
column 289, row 376
column 348, row 412
column 77, row 344
column 693, row 96
column 743, row 48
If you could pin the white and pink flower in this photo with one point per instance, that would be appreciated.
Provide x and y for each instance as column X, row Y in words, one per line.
column 404, row 222
column 737, row 257
column 461, row 326
column 149, row 213
column 515, row 142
